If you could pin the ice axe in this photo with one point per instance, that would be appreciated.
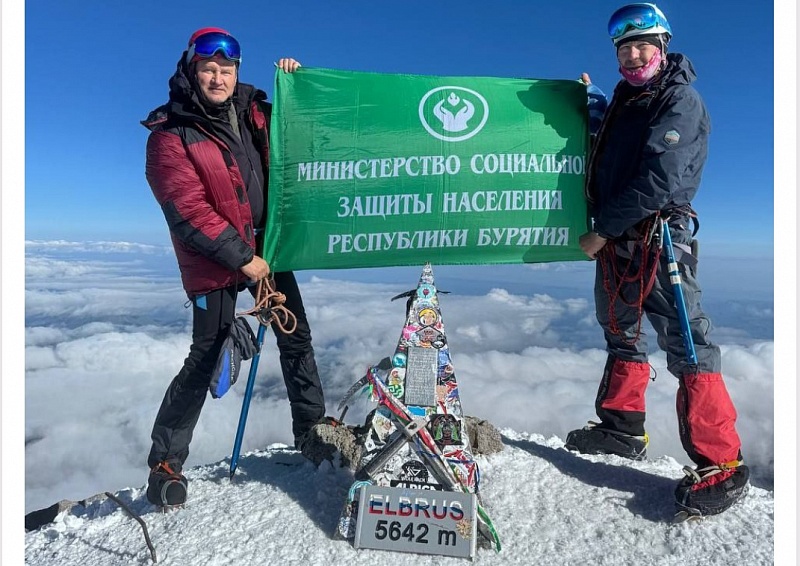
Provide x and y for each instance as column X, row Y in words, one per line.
column 268, row 309
column 677, row 288
column 248, row 394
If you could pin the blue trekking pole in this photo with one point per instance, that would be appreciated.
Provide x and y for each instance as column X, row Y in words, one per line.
column 677, row 288
column 248, row 394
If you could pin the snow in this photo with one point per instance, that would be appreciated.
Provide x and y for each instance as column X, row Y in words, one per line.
column 549, row 506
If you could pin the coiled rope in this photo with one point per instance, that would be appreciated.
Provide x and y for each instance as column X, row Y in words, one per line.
column 269, row 307
column 615, row 279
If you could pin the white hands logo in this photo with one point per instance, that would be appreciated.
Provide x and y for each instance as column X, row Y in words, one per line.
column 457, row 122
column 453, row 113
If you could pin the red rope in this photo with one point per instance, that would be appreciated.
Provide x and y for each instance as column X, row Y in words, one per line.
column 614, row 280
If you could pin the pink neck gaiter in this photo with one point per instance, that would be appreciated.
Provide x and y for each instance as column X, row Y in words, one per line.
column 640, row 76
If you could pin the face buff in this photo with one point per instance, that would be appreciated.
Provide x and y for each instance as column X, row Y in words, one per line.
column 640, row 76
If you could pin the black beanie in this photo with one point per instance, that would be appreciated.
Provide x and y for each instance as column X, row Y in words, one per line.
column 657, row 39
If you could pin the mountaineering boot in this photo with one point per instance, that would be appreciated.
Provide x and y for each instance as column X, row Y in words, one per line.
column 712, row 489
column 594, row 439
column 319, row 438
column 166, row 485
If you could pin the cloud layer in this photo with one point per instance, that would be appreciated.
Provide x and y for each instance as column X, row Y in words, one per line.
column 106, row 330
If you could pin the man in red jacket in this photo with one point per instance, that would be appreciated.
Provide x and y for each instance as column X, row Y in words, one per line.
column 208, row 164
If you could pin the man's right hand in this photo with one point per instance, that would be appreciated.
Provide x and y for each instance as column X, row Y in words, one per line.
column 256, row 270
column 288, row 65
column 591, row 243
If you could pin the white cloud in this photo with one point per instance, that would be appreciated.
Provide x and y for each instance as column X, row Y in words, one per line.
column 64, row 246
column 102, row 346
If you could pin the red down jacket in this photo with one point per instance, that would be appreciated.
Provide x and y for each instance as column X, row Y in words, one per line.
column 197, row 182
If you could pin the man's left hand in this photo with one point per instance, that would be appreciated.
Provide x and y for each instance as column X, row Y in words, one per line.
column 591, row 243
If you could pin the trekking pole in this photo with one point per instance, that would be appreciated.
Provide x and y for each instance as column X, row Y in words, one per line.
column 677, row 288
column 248, row 393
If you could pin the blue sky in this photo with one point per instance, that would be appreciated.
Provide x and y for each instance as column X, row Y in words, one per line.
column 95, row 68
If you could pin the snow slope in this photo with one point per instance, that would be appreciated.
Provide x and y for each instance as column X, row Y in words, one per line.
column 549, row 505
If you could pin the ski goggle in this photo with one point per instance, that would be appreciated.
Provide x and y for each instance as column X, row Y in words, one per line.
column 636, row 16
column 209, row 44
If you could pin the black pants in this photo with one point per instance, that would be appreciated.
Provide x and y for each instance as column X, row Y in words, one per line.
column 213, row 314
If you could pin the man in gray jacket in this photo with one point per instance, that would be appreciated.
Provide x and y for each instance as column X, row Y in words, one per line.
column 645, row 167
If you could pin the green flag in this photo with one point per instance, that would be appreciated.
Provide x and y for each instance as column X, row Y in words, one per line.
column 376, row 170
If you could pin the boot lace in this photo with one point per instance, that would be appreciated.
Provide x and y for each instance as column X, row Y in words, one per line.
column 701, row 475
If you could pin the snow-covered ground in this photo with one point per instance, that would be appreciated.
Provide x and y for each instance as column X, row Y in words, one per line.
column 549, row 506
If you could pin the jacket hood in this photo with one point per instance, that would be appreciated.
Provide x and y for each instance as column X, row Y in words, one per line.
column 679, row 69
column 184, row 100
